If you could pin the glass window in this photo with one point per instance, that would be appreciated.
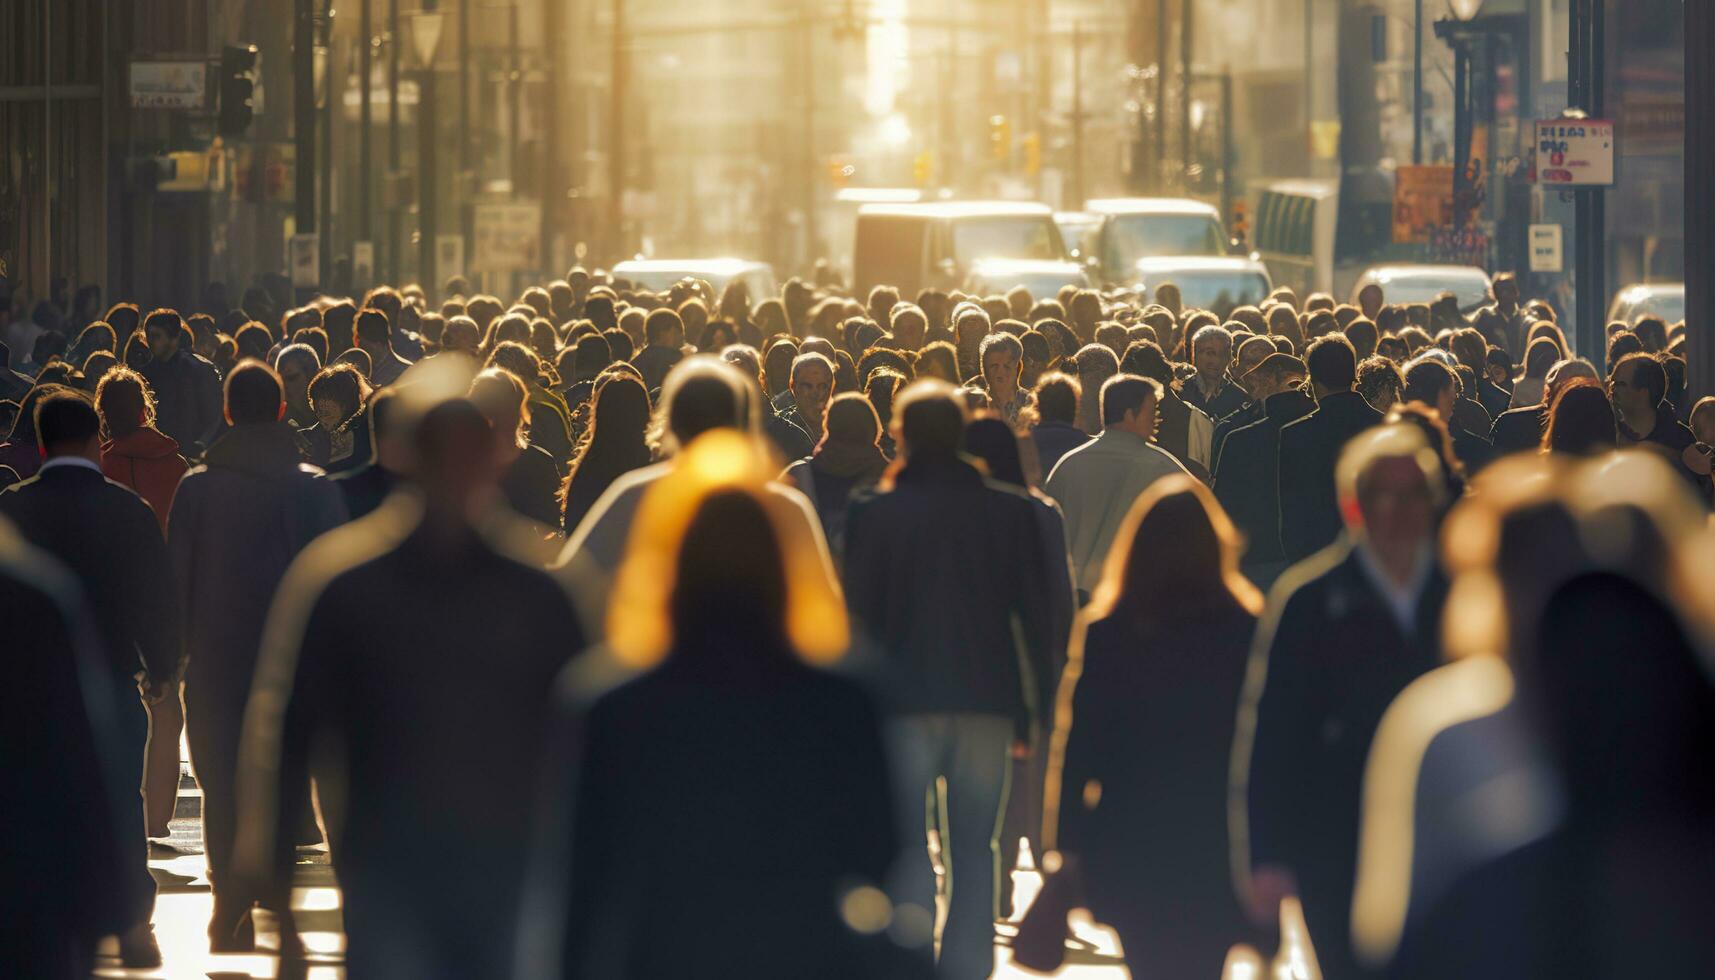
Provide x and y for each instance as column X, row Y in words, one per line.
column 1143, row 236
column 1006, row 238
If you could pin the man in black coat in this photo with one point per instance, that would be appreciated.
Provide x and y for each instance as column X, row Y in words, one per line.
column 1344, row 633
column 945, row 577
column 72, row 877
column 416, row 657
column 237, row 521
column 109, row 538
column 186, row 387
column 1309, row 448
column 1245, row 481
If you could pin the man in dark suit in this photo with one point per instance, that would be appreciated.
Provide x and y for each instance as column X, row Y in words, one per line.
column 946, row 578
column 1344, row 633
column 111, row 541
column 1309, row 448
column 1245, row 482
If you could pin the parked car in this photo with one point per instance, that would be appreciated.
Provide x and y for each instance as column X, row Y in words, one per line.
column 1664, row 299
column 1133, row 228
column 921, row 246
column 658, row 275
column 1075, row 229
column 1422, row 283
column 1042, row 277
column 1219, row 284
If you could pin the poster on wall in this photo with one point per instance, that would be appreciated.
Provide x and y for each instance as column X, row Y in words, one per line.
column 1422, row 202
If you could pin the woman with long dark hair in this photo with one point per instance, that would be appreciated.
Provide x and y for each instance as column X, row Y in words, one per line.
column 1581, row 420
column 847, row 459
column 1137, row 783
column 700, row 820
column 615, row 445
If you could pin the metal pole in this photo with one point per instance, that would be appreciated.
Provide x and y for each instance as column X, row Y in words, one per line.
column 1185, row 80
column 1699, row 197
column 514, row 96
column 1155, row 178
column 365, row 175
column 395, row 234
column 806, row 55
column 1590, row 202
column 553, row 182
column 304, row 114
column 1417, row 85
column 1461, row 133
column 426, row 191
column 1227, row 145
column 467, row 178
column 616, row 139
column 324, row 163
column 1078, row 113
column 45, row 278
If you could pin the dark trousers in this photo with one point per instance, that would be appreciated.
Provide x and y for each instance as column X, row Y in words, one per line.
column 44, row 948
column 134, row 732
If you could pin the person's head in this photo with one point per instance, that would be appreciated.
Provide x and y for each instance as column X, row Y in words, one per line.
column 337, row 393
column 1622, row 343
column 1498, row 367
column 254, row 395
column 1333, row 364
column 374, row 334
column 1390, row 484
column 777, row 359
column 1176, row 516
column 996, row 444
column 929, row 421
column 1038, row 354
column 67, row 425
column 1652, row 333
column 1703, row 420
column 1129, row 402
column 1433, row 383
column 504, row 400
column 1146, row 359
column 165, row 331
column 909, row 326
column 1212, row 351
column 1637, row 385
column 701, row 393
column 1095, row 364
column 454, row 460
column 1002, row 359
column 1380, row 383
column 1504, row 288
column 518, row 359
column 124, row 401
column 664, row 328
column 1564, row 372
column 812, row 377
column 1252, row 351
column 1275, row 374
column 1057, row 396
column 1167, row 295
column 851, row 422
column 1580, row 420
column 1370, row 300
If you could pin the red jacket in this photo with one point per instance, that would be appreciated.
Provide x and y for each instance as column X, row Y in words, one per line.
column 149, row 463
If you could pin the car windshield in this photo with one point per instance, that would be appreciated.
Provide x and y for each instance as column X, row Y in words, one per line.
column 1667, row 304
column 1142, row 236
column 660, row 280
column 1472, row 291
column 1218, row 292
column 1042, row 285
column 1006, row 238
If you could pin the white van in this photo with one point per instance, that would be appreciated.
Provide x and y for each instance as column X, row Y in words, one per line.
column 922, row 246
column 1293, row 232
column 1133, row 228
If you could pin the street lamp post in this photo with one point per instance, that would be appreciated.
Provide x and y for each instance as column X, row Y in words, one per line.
column 1462, row 36
column 425, row 38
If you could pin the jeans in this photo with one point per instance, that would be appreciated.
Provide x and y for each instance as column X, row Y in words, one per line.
column 950, row 773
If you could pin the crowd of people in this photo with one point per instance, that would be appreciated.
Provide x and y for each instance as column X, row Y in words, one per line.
column 627, row 633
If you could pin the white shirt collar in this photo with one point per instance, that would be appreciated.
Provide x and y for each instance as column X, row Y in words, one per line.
column 88, row 464
column 1401, row 600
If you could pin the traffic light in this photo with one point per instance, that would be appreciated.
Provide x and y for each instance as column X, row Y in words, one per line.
column 237, row 85
column 923, row 168
column 1000, row 137
column 1032, row 153
column 1241, row 225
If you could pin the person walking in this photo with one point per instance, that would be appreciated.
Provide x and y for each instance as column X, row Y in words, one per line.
column 848, row 459
column 1343, row 634
column 237, row 522
column 1309, row 448
column 616, row 443
column 110, row 540
column 348, row 667
column 1096, row 483
column 1137, row 782
column 945, row 579
column 1056, row 431
column 186, row 386
column 1247, row 480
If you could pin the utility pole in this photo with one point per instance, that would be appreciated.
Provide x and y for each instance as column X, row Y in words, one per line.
column 552, row 177
column 366, row 29
column 1185, row 81
column 304, row 114
column 806, row 55
column 1699, row 196
column 1587, row 84
column 1160, row 154
column 514, row 96
column 324, row 118
column 395, row 236
column 616, row 140
column 1078, row 113
column 1417, row 85
column 467, row 175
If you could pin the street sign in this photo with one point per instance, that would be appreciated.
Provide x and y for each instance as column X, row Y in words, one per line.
column 363, row 264
column 1547, row 248
column 305, row 254
column 508, row 237
column 169, row 85
column 1422, row 202
column 1575, row 152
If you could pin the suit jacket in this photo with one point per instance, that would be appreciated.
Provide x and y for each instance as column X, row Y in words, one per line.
column 1251, row 411
column 1309, row 450
column 187, row 400
column 1518, row 430
column 945, row 577
column 1096, row 485
column 1330, row 657
column 110, row 540
column 1245, row 482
